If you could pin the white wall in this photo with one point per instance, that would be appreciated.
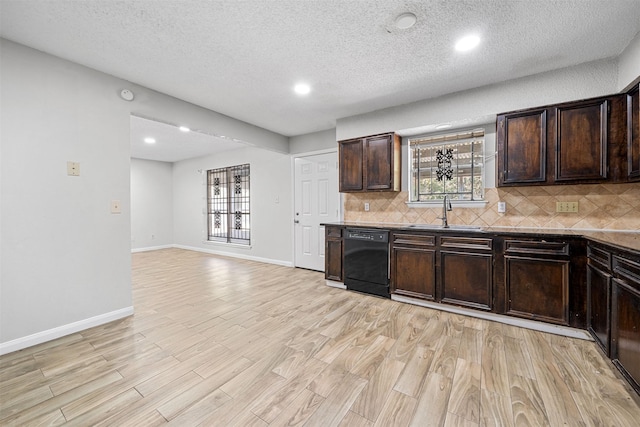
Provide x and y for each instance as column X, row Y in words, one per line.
column 65, row 257
column 309, row 142
column 579, row 82
column 271, row 220
column 151, row 204
column 629, row 64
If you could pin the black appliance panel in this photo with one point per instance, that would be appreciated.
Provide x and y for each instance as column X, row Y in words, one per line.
column 366, row 261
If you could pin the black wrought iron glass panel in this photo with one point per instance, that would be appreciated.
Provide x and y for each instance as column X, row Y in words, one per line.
column 447, row 164
column 228, row 204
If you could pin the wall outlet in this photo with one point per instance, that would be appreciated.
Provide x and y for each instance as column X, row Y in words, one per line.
column 502, row 207
column 73, row 168
column 567, row 207
column 366, row 207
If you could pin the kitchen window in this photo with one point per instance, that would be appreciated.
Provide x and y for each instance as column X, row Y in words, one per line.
column 228, row 205
column 450, row 164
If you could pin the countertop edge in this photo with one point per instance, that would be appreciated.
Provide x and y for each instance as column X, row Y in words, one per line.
column 621, row 239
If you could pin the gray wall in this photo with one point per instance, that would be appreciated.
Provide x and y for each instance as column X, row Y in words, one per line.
column 65, row 257
column 271, row 204
column 151, row 204
column 629, row 64
column 323, row 140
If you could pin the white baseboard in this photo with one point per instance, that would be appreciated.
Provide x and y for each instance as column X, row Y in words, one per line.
column 151, row 248
column 61, row 331
column 235, row 255
column 508, row 320
column 335, row 284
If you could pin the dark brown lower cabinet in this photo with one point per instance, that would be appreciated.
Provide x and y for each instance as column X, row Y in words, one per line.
column 466, row 272
column 599, row 306
column 413, row 265
column 466, row 279
column 333, row 253
column 625, row 318
column 538, row 289
column 537, row 280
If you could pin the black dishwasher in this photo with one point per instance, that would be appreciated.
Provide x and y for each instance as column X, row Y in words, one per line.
column 366, row 261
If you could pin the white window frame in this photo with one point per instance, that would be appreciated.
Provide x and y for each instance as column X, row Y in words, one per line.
column 461, row 136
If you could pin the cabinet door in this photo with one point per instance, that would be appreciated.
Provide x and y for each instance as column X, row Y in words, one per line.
column 378, row 162
column 598, row 306
column 466, row 279
column 351, row 161
column 414, row 272
column 625, row 331
column 522, row 147
column 537, row 288
column 333, row 253
column 333, row 268
column 633, row 134
column 581, row 141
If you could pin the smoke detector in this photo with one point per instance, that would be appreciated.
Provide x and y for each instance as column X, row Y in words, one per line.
column 126, row 94
column 406, row 20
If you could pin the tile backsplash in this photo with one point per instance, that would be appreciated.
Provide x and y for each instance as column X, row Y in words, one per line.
column 600, row 206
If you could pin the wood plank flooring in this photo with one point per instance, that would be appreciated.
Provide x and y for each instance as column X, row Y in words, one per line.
column 219, row 341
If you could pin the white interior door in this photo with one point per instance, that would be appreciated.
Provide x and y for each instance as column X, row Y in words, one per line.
column 317, row 200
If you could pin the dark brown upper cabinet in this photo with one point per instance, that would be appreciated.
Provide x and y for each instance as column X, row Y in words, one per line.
column 370, row 163
column 633, row 134
column 581, row 141
column 570, row 143
column 351, row 165
column 522, row 141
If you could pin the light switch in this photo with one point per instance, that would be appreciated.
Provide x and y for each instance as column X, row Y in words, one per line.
column 116, row 208
column 73, row 169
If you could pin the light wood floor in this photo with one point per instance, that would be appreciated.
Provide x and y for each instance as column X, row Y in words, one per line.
column 224, row 342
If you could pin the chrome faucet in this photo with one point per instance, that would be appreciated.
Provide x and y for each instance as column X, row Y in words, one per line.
column 446, row 206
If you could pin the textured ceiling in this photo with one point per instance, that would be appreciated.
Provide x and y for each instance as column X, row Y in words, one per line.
column 242, row 58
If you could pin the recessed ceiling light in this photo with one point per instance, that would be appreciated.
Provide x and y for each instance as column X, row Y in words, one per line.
column 150, row 140
column 467, row 43
column 302, row 88
column 406, row 20
column 184, row 129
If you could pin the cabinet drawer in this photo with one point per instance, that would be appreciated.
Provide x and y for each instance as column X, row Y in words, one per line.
column 599, row 257
column 628, row 270
column 334, row 232
column 466, row 242
column 540, row 247
column 414, row 239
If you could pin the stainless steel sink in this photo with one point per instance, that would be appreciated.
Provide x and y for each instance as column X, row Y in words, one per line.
column 440, row 227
